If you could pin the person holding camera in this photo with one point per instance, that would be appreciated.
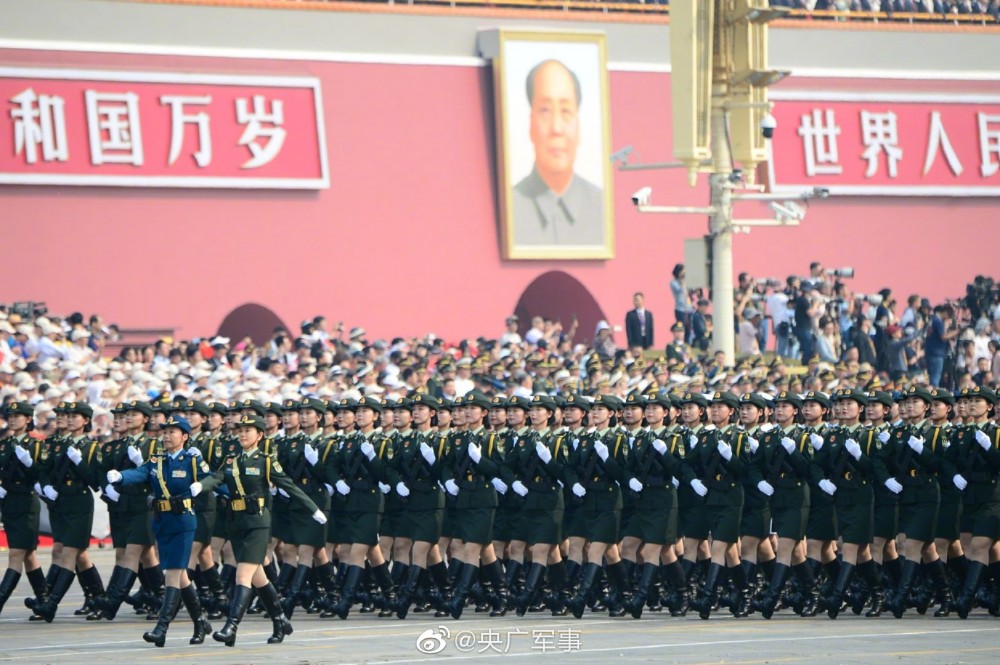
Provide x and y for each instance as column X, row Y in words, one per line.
column 940, row 332
column 175, row 478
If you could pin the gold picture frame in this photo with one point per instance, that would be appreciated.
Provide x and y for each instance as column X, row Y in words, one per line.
column 553, row 165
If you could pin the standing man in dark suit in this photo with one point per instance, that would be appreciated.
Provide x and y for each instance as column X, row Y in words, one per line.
column 639, row 323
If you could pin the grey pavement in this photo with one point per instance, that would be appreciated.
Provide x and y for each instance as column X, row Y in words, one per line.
column 540, row 637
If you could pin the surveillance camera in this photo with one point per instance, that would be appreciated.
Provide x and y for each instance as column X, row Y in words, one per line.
column 788, row 211
column 642, row 197
column 767, row 125
column 736, row 176
column 622, row 155
column 821, row 192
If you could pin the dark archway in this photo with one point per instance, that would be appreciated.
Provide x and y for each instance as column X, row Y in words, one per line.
column 559, row 296
column 251, row 319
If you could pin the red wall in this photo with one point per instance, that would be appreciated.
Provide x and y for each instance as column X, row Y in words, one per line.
column 405, row 239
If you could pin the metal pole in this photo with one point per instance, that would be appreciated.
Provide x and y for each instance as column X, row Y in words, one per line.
column 720, row 227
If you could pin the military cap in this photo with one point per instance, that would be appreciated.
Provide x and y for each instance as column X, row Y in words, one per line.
column 22, row 408
column 677, row 327
column 942, row 395
column 727, row 398
column 880, row 397
column 476, row 398
column 180, row 422
column 255, row 406
column 608, row 401
column 458, row 402
column 818, row 397
column 220, row 408
column 575, row 400
column 982, row 392
column 544, row 401
column 498, row 402
column 60, row 407
column 317, row 405
column 445, row 403
column 694, row 398
column 661, row 399
column 423, row 399
column 400, row 403
column 789, row 397
column 369, row 402
column 197, row 407
column 345, row 404
column 119, row 408
column 446, row 366
column 919, row 392
column 755, row 399
column 81, row 408
column 143, row 407
column 252, row 421
column 275, row 408
column 287, row 405
column 560, row 401
column 855, row 394
column 635, row 399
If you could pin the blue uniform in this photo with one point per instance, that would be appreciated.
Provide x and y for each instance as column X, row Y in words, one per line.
column 173, row 525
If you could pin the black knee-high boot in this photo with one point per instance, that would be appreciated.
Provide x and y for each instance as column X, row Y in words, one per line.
column 7, row 586
column 768, row 604
column 171, row 601
column 531, row 581
column 647, row 573
column 836, row 599
column 498, row 601
column 241, row 600
column 61, row 584
column 280, row 625
column 711, row 591
column 407, row 590
column 673, row 575
column 189, row 595
column 963, row 604
column 352, row 580
column 466, row 578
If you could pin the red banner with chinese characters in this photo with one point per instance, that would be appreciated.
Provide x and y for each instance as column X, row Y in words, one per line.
column 886, row 144
column 146, row 129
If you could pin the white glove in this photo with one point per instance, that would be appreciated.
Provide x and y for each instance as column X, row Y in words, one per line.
column 319, row 516
column 195, row 451
column 273, row 491
column 427, row 452
column 828, row 487
column 284, row 493
column 699, row 487
column 368, row 450
column 765, row 488
column 74, row 455
column 112, row 493
column 766, row 427
column 983, row 440
column 579, row 489
column 883, row 436
column 24, row 456
column 659, row 446
column 135, row 455
column 499, row 485
column 311, row 454
column 854, row 448
column 195, row 489
column 3, row 492
column 402, row 489
column 50, row 493
column 383, row 488
column 601, row 450
column 676, row 483
column 519, row 487
column 114, row 476
column 452, row 487
column 693, row 441
column 788, row 445
column 475, row 452
column 543, row 452
column 725, row 450
column 343, row 487
column 329, row 489
column 959, row 480
column 916, row 444
column 816, row 440
column 634, row 485
column 893, row 486
column 753, row 443
column 38, row 488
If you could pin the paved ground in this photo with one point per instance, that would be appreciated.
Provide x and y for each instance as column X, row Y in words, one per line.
column 655, row 638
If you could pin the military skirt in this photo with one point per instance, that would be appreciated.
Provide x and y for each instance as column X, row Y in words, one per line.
column 654, row 516
column 20, row 513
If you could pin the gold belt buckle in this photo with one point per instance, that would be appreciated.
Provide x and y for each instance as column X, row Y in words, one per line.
column 187, row 504
column 469, row 477
column 238, row 505
column 164, row 505
column 848, row 475
column 913, row 473
column 718, row 476
column 596, row 478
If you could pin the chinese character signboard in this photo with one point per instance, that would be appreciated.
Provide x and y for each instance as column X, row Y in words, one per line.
column 886, row 144
column 143, row 129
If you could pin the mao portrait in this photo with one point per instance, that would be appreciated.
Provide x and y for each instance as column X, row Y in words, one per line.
column 555, row 174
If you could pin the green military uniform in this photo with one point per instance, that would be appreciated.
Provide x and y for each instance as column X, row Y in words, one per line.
column 788, row 473
column 979, row 468
column 599, row 509
column 691, row 517
column 20, row 508
column 950, row 508
column 917, row 473
column 822, row 524
column 72, row 512
column 351, row 470
column 853, row 500
column 129, row 516
column 304, row 530
column 248, row 477
column 756, row 519
column 879, row 440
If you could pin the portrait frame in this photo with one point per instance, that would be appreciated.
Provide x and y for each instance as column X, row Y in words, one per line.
column 585, row 55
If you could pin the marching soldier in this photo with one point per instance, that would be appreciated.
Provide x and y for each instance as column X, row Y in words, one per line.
column 175, row 477
column 690, row 513
column 755, row 524
column 886, row 520
column 21, row 455
column 821, row 530
column 247, row 479
column 946, row 533
column 574, row 412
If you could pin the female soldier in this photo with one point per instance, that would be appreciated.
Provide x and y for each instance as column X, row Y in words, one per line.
column 175, row 478
column 19, row 455
column 247, row 477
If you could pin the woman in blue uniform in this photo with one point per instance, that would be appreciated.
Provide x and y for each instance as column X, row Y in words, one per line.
column 175, row 477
